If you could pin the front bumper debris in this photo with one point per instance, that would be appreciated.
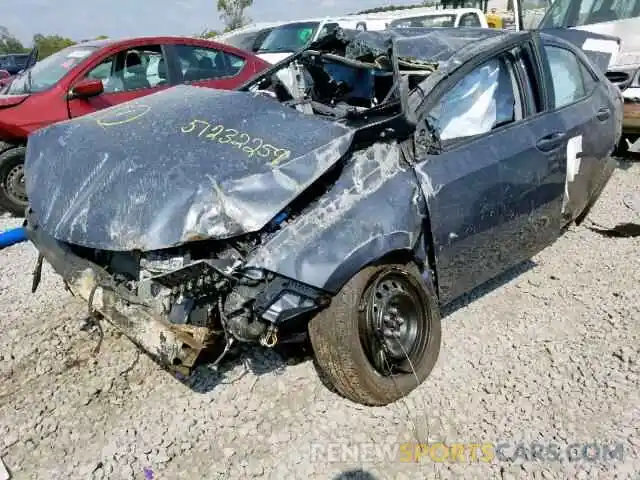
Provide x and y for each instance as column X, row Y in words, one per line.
column 175, row 347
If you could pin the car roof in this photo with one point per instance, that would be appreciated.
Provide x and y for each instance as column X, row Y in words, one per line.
column 151, row 40
column 441, row 44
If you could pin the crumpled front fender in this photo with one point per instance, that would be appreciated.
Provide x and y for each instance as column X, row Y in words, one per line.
column 375, row 208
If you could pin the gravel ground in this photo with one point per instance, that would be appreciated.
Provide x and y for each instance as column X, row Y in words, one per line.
column 550, row 354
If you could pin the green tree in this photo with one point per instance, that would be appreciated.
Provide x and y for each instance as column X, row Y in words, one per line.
column 206, row 33
column 9, row 43
column 232, row 13
column 48, row 44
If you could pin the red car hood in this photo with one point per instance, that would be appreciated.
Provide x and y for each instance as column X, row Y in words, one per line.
column 12, row 100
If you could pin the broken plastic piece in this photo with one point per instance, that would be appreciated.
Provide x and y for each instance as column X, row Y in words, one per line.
column 4, row 473
column 227, row 347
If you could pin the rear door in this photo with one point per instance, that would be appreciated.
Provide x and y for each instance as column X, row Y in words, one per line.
column 583, row 101
column 126, row 74
column 494, row 181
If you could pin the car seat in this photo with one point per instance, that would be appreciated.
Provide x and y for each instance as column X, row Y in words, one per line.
column 135, row 77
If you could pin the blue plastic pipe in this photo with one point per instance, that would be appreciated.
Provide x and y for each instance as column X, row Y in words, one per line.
column 11, row 237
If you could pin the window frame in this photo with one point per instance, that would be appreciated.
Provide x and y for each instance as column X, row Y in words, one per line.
column 119, row 56
column 174, row 49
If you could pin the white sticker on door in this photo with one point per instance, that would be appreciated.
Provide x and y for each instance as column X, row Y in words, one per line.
column 574, row 151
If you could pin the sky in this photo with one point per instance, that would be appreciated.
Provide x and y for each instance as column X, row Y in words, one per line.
column 81, row 19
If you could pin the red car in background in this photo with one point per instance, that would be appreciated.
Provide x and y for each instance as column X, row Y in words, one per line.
column 94, row 75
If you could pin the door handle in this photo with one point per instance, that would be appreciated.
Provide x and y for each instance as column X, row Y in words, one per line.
column 551, row 142
column 603, row 114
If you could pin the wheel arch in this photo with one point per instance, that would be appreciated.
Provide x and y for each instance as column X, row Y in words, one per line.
column 392, row 251
column 4, row 146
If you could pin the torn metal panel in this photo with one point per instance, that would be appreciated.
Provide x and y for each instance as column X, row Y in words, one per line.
column 179, row 165
column 374, row 208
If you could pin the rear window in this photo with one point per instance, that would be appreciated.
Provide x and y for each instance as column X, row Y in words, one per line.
column 425, row 22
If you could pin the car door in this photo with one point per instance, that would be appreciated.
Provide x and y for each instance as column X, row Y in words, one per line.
column 211, row 66
column 582, row 100
column 490, row 165
column 126, row 74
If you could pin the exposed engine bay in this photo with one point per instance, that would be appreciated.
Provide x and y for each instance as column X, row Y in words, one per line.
column 342, row 75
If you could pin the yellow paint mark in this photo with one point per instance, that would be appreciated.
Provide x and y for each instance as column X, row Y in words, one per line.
column 123, row 115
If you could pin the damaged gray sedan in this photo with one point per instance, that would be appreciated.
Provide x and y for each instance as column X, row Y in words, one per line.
column 346, row 194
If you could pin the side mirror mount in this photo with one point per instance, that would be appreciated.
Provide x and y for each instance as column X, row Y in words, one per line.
column 4, row 74
column 86, row 88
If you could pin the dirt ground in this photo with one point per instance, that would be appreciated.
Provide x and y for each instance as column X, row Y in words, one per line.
column 548, row 354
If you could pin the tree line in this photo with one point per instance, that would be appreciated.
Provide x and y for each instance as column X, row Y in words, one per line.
column 232, row 13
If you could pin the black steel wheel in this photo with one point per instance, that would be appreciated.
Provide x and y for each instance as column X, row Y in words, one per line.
column 13, row 195
column 392, row 327
column 380, row 337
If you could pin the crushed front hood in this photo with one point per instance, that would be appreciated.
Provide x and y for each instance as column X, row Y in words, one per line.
column 184, row 164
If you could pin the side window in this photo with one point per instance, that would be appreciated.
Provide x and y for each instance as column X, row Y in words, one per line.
column 470, row 20
column 566, row 73
column 104, row 72
column 199, row 63
column 133, row 69
column 485, row 99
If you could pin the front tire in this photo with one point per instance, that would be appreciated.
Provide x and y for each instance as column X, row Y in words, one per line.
column 13, row 196
column 380, row 336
